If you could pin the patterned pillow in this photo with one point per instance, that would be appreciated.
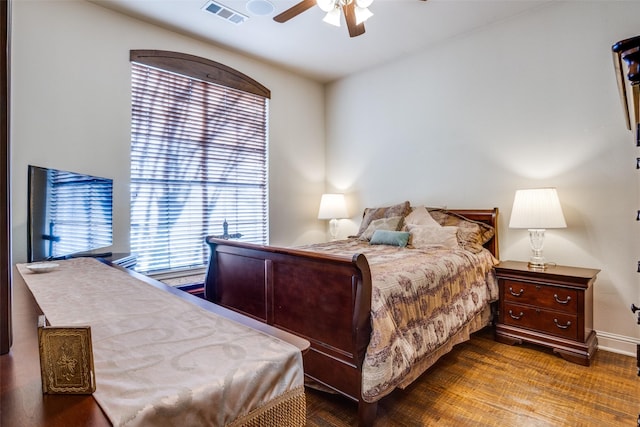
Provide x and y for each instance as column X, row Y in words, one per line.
column 390, row 224
column 420, row 216
column 472, row 235
column 428, row 237
column 370, row 214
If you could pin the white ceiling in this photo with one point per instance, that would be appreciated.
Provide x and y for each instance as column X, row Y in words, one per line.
column 318, row 50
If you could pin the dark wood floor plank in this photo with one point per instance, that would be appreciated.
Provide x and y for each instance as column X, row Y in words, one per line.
column 485, row 383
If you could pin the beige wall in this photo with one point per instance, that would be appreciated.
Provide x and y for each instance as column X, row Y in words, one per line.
column 528, row 102
column 71, row 110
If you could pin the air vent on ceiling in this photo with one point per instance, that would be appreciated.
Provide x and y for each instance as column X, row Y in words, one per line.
column 224, row 12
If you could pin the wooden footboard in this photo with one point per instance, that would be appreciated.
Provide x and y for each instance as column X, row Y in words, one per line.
column 324, row 299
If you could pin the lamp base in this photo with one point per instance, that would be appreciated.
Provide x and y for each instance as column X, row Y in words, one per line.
column 536, row 237
column 333, row 229
column 537, row 265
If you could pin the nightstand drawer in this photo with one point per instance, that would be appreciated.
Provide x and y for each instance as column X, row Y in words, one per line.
column 545, row 321
column 553, row 297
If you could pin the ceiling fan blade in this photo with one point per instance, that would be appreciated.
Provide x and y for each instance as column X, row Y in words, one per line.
column 350, row 16
column 294, row 11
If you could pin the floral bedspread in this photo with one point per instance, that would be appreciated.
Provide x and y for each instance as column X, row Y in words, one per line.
column 421, row 298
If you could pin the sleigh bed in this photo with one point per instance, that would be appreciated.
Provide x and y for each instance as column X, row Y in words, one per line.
column 377, row 315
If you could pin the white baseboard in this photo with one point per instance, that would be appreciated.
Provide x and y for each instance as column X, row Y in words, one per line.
column 617, row 343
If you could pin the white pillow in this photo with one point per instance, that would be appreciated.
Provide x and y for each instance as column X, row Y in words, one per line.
column 428, row 237
column 420, row 216
column 381, row 224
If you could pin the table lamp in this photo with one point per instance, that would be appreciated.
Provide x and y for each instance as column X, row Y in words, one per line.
column 332, row 207
column 536, row 210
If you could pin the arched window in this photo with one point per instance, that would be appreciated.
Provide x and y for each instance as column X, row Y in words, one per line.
column 199, row 135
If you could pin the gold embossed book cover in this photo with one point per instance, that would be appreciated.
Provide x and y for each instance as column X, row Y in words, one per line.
column 66, row 359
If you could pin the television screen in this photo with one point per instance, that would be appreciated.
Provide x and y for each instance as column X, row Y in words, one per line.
column 69, row 214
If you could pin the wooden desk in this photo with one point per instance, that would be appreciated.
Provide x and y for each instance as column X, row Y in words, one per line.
column 21, row 400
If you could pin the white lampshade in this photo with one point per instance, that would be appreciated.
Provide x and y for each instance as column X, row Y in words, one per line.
column 332, row 206
column 334, row 7
column 326, row 5
column 537, row 208
column 362, row 14
column 333, row 17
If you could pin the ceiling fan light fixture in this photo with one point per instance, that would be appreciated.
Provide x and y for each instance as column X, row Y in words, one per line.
column 356, row 12
column 333, row 17
column 326, row 5
column 362, row 14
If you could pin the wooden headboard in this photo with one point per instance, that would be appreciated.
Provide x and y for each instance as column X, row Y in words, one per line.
column 487, row 216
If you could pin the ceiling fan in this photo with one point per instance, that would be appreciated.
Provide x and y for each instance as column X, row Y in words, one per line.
column 332, row 7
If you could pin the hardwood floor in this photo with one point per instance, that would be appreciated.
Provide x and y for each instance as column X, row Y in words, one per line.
column 485, row 383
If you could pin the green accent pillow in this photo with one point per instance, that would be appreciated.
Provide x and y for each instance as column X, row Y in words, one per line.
column 388, row 237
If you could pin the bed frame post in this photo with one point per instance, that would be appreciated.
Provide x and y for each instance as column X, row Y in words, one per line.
column 366, row 413
column 210, row 292
column 362, row 312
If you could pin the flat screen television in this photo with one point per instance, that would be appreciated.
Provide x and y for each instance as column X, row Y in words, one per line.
column 69, row 214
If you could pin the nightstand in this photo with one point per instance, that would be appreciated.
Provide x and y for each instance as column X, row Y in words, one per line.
column 551, row 307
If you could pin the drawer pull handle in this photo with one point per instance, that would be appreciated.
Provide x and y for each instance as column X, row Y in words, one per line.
column 513, row 316
column 562, row 326
column 559, row 301
column 516, row 294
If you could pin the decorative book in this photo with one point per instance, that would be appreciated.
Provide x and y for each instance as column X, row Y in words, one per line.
column 66, row 359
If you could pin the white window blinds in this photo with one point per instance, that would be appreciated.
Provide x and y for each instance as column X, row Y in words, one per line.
column 198, row 159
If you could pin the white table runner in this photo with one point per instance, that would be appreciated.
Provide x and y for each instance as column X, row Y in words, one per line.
column 159, row 360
